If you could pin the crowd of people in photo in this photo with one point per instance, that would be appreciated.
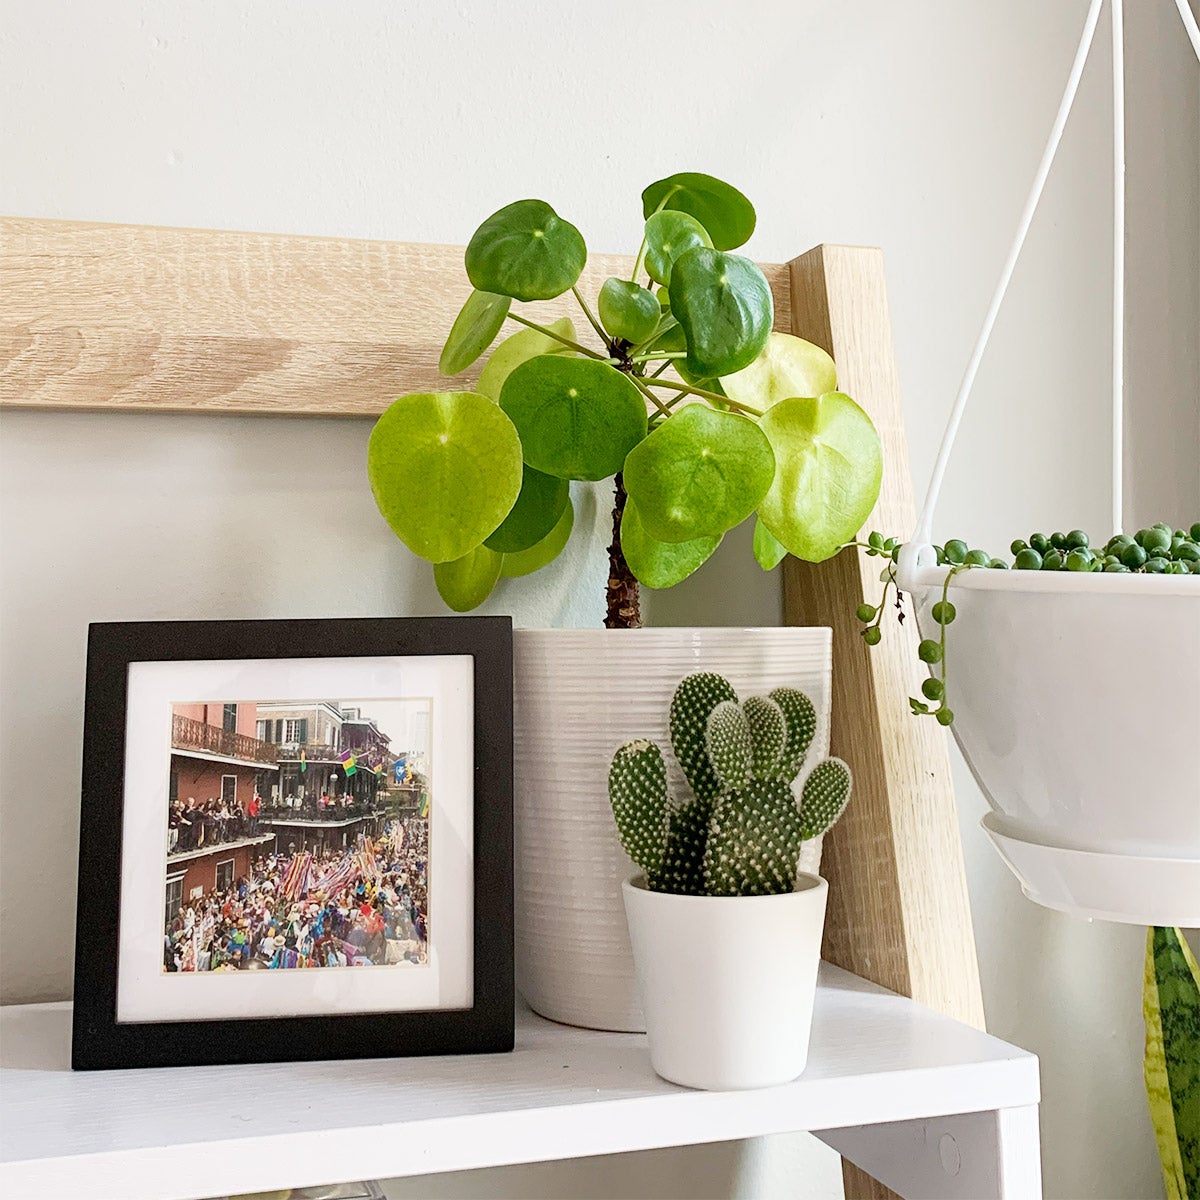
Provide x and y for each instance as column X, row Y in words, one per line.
column 317, row 806
column 364, row 905
column 194, row 824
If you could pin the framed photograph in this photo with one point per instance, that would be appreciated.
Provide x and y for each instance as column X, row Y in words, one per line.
column 296, row 841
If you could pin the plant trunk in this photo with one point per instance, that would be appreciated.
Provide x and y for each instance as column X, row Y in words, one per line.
column 624, row 610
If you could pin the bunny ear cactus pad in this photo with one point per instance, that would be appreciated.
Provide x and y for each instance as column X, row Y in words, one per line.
column 826, row 794
column 637, row 787
column 801, row 718
column 445, row 468
column 742, row 832
column 693, row 702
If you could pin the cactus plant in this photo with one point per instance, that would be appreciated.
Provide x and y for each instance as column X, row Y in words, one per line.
column 741, row 830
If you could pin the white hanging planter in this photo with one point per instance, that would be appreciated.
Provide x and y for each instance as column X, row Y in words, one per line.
column 1074, row 697
column 1075, row 693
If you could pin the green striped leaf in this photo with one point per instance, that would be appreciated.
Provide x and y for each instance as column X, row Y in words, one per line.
column 1171, row 1006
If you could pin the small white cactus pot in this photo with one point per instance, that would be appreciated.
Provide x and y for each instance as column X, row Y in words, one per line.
column 727, row 982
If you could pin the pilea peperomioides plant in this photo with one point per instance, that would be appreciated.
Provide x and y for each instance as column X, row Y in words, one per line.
column 741, row 831
column 700, row 415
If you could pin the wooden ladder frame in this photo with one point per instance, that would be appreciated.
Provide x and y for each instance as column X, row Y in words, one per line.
column 115, row 317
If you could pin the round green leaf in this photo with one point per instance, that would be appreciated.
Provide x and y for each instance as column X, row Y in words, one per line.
column 467, row 582
column 769, row 551
column 723, row 304
column 829, row 465
column 521, row 347
column 628, row 311
column 525, row 562
column 698, row 474
column 578, row 417
column 445, row 468
column 478, row 321
column 668, row 235
column 660, row 564
column 534, row 515
column 786, row 366
column 526, row 251
column 719, row 207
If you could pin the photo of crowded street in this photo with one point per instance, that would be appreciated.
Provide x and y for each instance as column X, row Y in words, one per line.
column 297, row 835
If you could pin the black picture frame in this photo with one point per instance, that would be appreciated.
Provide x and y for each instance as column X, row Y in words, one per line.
column 101, row 1042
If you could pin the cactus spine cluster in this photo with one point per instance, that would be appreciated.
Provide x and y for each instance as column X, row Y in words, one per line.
column 741, row 830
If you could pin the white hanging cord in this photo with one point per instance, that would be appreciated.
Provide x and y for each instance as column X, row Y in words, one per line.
column 925, row 523
column 1189, row 23
column 1118, row 309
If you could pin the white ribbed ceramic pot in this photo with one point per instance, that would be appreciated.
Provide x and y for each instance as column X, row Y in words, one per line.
column 580, row 694
column 728, row 982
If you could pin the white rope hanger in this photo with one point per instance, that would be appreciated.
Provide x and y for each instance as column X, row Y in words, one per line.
column 919, row 552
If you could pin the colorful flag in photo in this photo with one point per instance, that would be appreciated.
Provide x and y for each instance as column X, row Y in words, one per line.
column 379, row 767
column 423, row 811
column 303, row 762
column 349, row 762
column 399, row 768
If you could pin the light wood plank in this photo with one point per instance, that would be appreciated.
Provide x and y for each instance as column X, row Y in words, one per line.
column 131, row 317
column 898, row 907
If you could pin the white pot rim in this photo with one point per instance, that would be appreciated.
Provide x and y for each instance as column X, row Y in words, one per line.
column 808, row 886
column 1073, row 583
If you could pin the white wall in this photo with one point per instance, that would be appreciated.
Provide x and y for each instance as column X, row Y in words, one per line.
column 913, row 126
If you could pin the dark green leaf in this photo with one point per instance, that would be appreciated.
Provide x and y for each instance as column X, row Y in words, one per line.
column 536, row 512
column 467, row 582
column 477, row 323
column 718, row 206
column 526, row 251
column 628, row 311
column 829, row 465
column 445, row 468
column 578, row 417
column 699, row 473
column 525, row 562
column 658, row 564
column 723, row 303
column 670, row 234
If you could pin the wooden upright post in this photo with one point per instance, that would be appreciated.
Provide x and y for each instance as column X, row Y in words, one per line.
column 898, row 908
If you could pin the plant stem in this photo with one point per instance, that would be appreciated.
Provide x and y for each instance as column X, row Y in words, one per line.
column 654, row 356
column 654, row 381
column 664, row 409
column 558, row 337
column 624, row 608
column 587, row 312
column 637, row 262
column 667, row 323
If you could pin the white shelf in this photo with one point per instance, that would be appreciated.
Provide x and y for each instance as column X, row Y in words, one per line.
column 181, row 1133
